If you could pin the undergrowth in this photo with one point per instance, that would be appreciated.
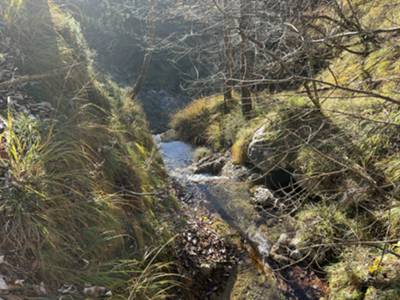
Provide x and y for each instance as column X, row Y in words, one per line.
column 79, row 181
column 344, row 159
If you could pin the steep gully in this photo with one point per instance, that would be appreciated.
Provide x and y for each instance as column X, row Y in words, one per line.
column 229, row 199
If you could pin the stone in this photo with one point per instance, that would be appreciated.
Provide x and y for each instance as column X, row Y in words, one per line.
column 3, row 283
column 258, row 149
column 212, row 164
column 264, row 197
column 259, row 239
column 97, row 291
column 234, row 172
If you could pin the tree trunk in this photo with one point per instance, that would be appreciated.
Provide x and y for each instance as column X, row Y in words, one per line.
column 148, row 55
column 229, row 55
column 246, row 57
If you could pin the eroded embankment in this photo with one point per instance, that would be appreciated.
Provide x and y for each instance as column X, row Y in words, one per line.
column 78, row 169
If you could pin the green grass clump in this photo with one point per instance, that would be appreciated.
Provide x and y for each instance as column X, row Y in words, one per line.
column 322, row 230
column 347, row 279
column 79, row 182
column 148, row 277
column 192, row 122
column 201, row 152
column 364, row 273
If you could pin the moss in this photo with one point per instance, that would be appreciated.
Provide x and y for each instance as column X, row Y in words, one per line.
column 324, row 228
column 363, row 274
column 347, row 279
column 201, row 152
column 376, row 294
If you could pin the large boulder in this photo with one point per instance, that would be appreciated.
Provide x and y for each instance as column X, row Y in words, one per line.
column 259, row 150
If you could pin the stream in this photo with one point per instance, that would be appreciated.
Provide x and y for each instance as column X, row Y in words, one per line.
column 230, row 200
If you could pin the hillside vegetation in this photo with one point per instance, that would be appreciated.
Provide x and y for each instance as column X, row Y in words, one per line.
column 80, row 175
column 344, row 160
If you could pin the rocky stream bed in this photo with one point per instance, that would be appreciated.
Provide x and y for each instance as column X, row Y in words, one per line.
column 224, row 246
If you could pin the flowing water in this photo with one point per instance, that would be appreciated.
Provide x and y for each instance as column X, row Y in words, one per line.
column 227, row 197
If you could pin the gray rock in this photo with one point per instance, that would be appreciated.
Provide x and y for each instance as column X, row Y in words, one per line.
column 256, row 178
column 212, row 164
column 258, row 238
column 259, row 149
column 264, row 197
column 235, row 172
column 3, row 284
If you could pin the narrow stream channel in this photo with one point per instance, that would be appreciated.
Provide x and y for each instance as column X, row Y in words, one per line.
column 230, row 199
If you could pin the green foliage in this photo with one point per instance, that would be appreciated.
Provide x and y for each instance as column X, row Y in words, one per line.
column 324, row 228
column 201, row 152
column 192, row 123
column 78, row 182
column 149, row 277
column 363, row 273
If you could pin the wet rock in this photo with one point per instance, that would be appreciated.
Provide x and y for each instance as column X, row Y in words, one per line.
column 211, row 164
column 258, row 150
column 68, row 289
column 97, row 292
column 40, row 289
column 263, row 197
column 3, row 284
column 234, row 172
column 286, row 249
column 260, row 240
